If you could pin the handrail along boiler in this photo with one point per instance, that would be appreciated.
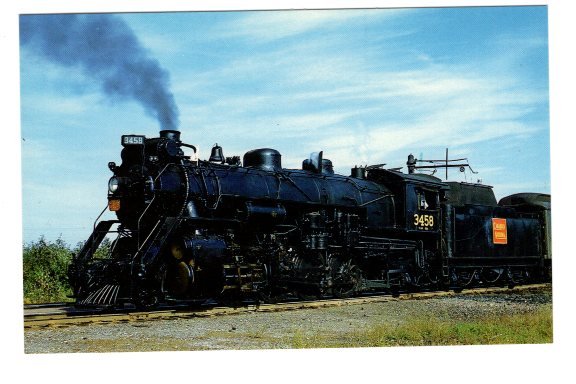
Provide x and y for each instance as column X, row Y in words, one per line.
column 189, row 229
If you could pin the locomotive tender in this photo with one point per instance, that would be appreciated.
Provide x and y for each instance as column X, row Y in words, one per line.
column 189, row 229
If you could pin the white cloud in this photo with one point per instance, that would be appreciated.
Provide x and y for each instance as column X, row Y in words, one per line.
column 267, row 26
column 366, row 112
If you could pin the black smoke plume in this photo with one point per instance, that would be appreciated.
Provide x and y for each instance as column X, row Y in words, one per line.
column 107, row 50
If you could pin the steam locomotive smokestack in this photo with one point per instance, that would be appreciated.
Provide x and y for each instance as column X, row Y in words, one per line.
column 106, row 49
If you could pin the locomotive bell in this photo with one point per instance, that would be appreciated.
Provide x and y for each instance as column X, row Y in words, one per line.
column 216, row 155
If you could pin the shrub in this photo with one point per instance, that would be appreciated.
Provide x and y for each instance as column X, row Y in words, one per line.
column 45, row 267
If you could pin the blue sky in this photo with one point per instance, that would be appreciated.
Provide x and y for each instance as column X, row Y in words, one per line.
column 365, row 86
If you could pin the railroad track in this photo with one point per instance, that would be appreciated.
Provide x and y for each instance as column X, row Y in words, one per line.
column 62, row 315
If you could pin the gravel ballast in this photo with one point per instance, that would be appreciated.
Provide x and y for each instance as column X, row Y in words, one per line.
column 273, row 330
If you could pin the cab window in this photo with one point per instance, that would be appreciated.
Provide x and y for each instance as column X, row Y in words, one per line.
column 427, row 200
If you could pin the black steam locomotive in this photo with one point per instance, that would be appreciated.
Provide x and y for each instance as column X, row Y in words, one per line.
column 227, row 228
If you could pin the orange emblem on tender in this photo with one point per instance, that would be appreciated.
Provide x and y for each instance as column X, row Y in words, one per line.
column 499, row 232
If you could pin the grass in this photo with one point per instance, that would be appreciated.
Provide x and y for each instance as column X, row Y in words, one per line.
column 528, row 328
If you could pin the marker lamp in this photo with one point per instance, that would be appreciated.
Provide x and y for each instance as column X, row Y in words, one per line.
column 114, row 205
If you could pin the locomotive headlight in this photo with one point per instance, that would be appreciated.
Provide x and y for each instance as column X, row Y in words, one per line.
column 113, row 184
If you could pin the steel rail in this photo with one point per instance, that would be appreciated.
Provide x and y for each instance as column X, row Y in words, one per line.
column 54, row 316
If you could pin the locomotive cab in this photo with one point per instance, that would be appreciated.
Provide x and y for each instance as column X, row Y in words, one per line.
column 418, row 198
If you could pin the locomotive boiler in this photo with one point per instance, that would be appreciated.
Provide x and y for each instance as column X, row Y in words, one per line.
column 231, row 228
